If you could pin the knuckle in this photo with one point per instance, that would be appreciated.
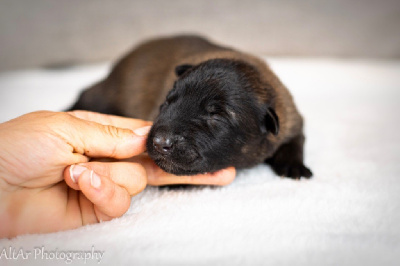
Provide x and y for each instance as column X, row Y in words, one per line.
column 60, row 119
column 112, row 131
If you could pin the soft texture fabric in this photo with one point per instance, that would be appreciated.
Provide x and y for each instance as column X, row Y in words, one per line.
column 348, row 214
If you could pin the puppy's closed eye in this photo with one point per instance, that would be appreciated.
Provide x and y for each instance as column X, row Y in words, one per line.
column 216, row 114
column 213, row 109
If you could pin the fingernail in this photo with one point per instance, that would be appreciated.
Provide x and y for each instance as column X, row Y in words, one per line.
column 95, row 180
column 75, row 171
column 143, row 131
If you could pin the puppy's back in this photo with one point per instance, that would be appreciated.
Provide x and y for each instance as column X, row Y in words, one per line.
column 140, row 80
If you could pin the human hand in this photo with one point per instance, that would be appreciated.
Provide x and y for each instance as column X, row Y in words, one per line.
column 35, row 153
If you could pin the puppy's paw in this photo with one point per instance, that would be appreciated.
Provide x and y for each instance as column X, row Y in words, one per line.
column 293, row 170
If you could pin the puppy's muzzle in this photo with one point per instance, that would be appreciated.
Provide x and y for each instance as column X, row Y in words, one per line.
column 166, row 143
column 173, row 151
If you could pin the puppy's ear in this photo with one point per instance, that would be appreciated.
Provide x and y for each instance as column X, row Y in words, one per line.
column 271, row 121
column 179, row 70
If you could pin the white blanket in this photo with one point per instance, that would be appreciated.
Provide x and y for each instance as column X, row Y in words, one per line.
column 348, row 214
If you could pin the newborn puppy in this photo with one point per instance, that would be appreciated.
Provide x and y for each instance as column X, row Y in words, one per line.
column 213, row 107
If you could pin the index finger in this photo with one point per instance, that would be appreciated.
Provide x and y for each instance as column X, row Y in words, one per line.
column 112, row 120
column 158, row 177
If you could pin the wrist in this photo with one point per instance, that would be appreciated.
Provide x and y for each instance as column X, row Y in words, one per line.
column 6, row 220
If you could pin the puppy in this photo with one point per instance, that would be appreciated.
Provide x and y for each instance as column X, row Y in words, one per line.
column 212, row 106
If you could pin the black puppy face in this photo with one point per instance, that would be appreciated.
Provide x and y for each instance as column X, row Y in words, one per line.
column 209, row 118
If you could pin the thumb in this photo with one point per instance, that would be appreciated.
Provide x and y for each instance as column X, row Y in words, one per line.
column 96, row 140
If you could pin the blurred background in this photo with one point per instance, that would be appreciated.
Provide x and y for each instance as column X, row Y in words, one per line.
column 339, row 58
column 48, row 33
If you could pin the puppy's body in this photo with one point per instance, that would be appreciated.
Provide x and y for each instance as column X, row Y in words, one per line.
column 256, row 119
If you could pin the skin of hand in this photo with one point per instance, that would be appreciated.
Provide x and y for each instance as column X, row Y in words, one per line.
column 52, row 176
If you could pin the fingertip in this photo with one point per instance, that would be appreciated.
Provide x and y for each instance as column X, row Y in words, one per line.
column 69, row 179
column 227, row 176
column 95, row 180
column 133, row 144
column 222, row 177
column 71, row 173
column 93, row 193
column 142, row 131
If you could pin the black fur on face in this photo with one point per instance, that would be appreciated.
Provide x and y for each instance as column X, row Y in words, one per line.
column 211, row 118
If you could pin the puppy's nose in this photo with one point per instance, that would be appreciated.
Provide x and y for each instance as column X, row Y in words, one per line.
column 163, row 145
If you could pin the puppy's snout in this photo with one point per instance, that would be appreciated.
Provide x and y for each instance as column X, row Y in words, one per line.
column 163, row 144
